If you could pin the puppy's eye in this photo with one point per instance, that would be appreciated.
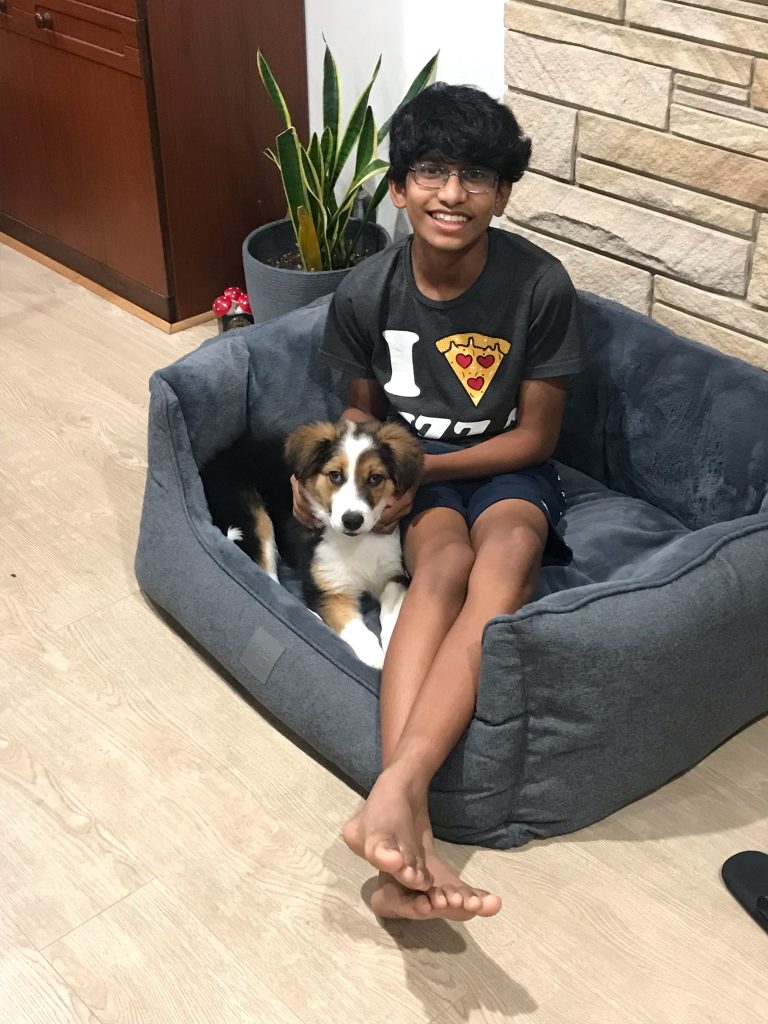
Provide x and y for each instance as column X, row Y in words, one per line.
column 375, row 479
column 335, row 476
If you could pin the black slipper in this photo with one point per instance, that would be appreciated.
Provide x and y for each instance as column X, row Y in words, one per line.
column 746, row 876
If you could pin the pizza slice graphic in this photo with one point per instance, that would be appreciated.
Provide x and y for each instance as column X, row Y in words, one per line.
column 474, row 359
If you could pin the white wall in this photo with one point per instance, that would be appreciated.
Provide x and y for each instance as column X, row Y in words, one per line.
column 468, row 33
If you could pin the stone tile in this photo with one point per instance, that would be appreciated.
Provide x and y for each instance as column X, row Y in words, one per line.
column 675, row 159
column 758, row 282
column 756, row 9
column 637, row 188
column 690, row 83
column 729, row 132
column 735, row 314
column 595, row 273
column 633, row 43
column 552, row 128
column 710, row 27
column 716, row 105
column 653, row 240
column 587, row 78
column 759, row 94
column 730, row 342
column 612, row 9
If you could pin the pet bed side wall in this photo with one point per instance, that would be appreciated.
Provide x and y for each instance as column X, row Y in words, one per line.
column 627, row 685
column 665, row 419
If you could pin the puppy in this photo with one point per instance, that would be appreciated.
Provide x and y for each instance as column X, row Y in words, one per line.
column 349, row 472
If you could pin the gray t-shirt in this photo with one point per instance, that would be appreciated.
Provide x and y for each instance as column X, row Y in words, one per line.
column 452, row 370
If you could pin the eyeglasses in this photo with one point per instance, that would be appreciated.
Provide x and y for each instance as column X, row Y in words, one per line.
column 473, row 179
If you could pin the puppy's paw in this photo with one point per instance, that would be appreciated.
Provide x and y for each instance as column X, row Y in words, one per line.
column 363, row 642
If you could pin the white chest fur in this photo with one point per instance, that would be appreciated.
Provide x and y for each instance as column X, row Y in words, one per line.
column 359, row 564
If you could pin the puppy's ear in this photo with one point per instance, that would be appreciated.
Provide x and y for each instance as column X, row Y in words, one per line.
column 402, row 453
column 309, row 448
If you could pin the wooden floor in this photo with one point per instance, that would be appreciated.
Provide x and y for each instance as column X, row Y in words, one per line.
column 169, row 857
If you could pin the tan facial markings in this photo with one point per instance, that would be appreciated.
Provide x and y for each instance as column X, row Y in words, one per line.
column 321, row 487
column 369, row 468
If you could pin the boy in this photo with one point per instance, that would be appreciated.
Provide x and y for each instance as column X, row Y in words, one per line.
column 467, row 334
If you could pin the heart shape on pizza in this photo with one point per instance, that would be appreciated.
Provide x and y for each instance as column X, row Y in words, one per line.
column 462, row 350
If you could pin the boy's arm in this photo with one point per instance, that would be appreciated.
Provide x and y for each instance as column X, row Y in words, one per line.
column 539, row 417
column 367, row 401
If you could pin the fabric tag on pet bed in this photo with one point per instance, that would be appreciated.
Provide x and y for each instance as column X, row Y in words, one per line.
column 261, row 654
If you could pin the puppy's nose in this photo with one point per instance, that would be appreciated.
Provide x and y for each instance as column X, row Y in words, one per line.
column 352, row 520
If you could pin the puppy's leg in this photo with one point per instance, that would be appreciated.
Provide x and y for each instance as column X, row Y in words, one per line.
column 341, row 612
column 262, row 527
column 390, row 599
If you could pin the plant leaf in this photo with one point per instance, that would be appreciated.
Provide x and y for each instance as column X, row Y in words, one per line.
column 331, row 105
column 420, row 81
column 316, row 156
column 375, row 166
column 273, row 89
column 379, row 193
column 366, row 147
column 289, row 151
column 309, row 245
column 354, row 127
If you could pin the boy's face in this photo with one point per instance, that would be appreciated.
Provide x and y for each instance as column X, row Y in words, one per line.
column 449, row 218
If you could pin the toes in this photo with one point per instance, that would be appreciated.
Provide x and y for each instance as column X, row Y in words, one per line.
column 422, row 905
column 455, row 899
column 437, row 898
column 385, row 855
column 490, row 905
column 414, row 875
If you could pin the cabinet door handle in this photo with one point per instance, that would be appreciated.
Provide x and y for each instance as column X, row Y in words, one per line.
column 43, row 19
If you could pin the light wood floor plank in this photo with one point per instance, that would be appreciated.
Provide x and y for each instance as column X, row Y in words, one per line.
column 31, row 992
column 148, row 959
column 59, row 864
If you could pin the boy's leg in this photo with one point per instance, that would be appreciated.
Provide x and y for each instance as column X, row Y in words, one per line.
column 508, row 539
column 439, row 556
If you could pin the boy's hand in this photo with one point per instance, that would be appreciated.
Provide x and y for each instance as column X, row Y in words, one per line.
column 398, row 507
column 402, row 504
column 302, row 509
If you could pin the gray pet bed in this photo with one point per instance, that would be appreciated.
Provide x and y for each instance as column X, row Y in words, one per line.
column 631, row 664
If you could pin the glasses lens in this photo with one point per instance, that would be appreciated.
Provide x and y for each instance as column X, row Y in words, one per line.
column 430, row 175
column 478, row 179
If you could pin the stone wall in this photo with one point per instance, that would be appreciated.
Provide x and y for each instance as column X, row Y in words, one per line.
column 649, row 175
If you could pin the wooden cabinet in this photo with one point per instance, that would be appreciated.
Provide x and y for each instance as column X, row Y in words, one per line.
column 132, row 136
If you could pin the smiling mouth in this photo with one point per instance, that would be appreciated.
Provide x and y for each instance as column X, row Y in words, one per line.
column 449, row 218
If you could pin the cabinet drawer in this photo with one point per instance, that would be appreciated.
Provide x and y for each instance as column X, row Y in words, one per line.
column 92, row 32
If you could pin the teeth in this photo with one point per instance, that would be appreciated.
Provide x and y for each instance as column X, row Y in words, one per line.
column 452, row 218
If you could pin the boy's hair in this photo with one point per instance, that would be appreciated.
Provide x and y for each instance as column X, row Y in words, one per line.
column 458, row 122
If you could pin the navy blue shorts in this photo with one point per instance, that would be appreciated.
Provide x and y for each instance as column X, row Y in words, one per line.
column 538, row 484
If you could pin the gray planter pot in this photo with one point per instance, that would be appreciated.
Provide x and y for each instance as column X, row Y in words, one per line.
column 272, row 290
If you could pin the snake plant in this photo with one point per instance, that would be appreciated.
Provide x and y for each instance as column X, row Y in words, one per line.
column 310, row 174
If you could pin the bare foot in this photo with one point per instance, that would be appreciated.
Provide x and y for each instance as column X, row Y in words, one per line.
column 449, row 897
column 385, row 833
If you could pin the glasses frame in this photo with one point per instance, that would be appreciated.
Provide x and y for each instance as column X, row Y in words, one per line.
column 460, row 175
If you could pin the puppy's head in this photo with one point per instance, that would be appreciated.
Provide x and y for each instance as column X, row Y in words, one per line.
column 351, row 470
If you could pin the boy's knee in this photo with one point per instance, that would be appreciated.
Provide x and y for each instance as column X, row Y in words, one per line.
column 445, row 567
column 514, row 559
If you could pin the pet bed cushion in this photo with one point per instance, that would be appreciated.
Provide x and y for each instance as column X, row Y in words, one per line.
column 630, row 664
